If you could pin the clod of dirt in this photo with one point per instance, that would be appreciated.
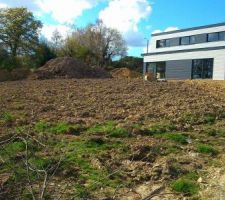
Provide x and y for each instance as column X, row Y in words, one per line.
column 125, row 73
column 66, row 67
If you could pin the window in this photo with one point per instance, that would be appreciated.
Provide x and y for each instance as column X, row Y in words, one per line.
column 193, row 39
column 202, row 69
column 197, row 39
column 160, row 70
column 167, row 43
column 185, row 40
column 213, row 37
column 161, row 43
column 222, row 36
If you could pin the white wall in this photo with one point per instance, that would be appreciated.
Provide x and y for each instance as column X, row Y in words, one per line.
column 186, row 33
column 218, row 55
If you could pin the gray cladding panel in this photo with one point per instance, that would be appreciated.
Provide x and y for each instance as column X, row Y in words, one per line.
column 178, row 69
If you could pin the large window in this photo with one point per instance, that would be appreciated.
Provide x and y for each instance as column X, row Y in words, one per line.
column 185, row 40
column 158, row 69
column 194, row 39
column 202, row 69
column 222, row 36
column 212, row 37
column 163, row 43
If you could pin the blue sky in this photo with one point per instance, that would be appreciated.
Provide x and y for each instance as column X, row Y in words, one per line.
column 135, row 19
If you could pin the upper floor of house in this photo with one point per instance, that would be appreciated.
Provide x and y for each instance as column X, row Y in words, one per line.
column 211, row 36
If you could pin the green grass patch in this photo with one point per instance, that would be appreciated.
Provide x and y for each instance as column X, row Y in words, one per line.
column 58, row 128
column 110, row 129
column 160, row 128
column 12, row 149
column 185, row 186
column 209, row 119
column 40, row 163
column 176, row 137
column 206, row 149
column 6, row 118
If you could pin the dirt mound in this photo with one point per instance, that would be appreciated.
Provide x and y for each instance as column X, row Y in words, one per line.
column 124, row 73
column 66, row 67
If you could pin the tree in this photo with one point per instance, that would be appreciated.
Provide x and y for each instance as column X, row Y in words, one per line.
column 19, row 31
column 56, row 41
column 104, row 43
column 42, row 54
column 133, row 63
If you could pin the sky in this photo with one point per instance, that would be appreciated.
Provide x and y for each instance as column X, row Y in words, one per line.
column 135, row 19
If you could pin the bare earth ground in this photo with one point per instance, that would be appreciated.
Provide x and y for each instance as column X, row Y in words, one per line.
column 119, row 139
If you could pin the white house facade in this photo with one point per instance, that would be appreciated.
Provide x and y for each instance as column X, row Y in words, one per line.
column 193, row 53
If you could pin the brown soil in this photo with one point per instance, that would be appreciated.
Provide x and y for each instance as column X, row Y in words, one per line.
column 94, row 101
column 66, row 67
column 145, row 162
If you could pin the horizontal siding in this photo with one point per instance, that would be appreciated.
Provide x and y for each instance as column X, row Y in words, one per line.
column 218, row 55
column 178, row 70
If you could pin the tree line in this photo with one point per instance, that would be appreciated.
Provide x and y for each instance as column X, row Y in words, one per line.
column 21, row 43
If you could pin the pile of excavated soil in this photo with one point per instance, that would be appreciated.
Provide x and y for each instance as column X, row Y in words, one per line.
column 124, row 73
column 66, row 67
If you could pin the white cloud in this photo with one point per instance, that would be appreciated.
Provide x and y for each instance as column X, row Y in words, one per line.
column 157, row 31
column 65, row 11
column 47, row 30
column 171, row 28
column 3, row 5
column 125, row 15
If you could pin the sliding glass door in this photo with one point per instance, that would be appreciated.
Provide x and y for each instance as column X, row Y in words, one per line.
column 202, row 69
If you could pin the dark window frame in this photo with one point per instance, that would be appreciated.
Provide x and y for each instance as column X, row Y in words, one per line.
column 202, row 65
column 188, row 37
column 217, row 33
column 223, row 36
column 166, row 42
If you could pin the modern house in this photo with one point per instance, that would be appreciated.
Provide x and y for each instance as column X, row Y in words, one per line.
column 192, row 53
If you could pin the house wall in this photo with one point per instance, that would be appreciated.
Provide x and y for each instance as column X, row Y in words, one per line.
column 168, row 35
column 217, row 55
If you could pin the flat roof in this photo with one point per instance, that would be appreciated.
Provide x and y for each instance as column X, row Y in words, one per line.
column 190, row 29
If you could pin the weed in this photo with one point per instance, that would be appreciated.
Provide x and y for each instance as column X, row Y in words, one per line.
column 40, row 163
column 176, row 137
column 12, row 149
column 215, row 132
column 209, row 119
column 42, row 126
column 110, row 129
column 6, row 118
column 58, row 128
column 161, row 128
column 185, row 186
column 206, row 149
